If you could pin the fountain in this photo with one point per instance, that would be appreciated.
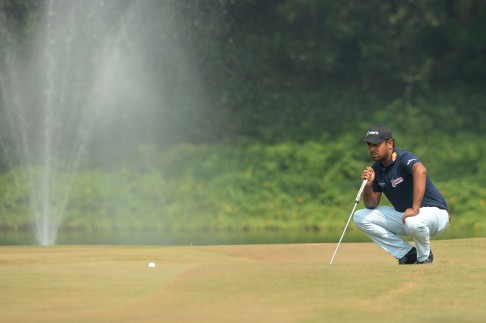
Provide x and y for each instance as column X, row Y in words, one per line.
column 85, row 70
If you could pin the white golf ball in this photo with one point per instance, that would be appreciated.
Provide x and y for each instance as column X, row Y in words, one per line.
column 151, row 264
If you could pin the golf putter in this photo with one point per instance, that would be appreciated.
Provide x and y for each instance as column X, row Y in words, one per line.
column 358, row 197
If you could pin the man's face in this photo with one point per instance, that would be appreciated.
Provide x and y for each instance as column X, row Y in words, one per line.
column 382, row 151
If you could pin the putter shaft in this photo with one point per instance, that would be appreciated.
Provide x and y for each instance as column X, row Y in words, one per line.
column 358, row 197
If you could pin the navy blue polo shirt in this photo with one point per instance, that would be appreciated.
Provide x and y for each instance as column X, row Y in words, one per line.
column 396, row 182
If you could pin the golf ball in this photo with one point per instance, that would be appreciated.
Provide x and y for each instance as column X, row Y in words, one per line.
column 151, row 264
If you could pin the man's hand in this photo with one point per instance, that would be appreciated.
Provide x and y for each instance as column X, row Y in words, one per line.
column 371, row 199
column 368, row 174
column 409, row 212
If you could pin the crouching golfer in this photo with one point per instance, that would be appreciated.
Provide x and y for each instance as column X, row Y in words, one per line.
column 419, row 209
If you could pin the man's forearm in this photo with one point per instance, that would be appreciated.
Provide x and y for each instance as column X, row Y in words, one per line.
column 419, row 181
column 369, row 198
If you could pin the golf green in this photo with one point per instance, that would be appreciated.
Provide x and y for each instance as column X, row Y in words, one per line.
column 241, row 283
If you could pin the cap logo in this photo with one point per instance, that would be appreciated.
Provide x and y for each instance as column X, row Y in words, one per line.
column 372, row 132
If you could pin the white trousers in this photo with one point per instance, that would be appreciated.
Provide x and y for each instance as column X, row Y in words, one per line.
column 384, row 226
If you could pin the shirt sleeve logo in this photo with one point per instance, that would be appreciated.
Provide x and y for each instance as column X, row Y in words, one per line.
column 397, row 181
column 411, row 160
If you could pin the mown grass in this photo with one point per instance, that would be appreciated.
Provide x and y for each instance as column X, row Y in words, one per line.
column 241, row 283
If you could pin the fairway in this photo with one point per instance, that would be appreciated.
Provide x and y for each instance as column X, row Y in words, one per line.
column 241, row 283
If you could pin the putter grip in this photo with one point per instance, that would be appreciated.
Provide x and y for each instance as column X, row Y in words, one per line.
column 361, row 189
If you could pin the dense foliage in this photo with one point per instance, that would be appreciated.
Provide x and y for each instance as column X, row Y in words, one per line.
column 281, row 70
column 288, row 186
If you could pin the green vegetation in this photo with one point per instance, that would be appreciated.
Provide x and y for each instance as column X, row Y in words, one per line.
column 241, row 283
column 288, row 186
column 287, row 70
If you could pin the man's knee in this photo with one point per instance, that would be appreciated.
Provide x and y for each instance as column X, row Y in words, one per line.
column 413, row 225
column 359, row 216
